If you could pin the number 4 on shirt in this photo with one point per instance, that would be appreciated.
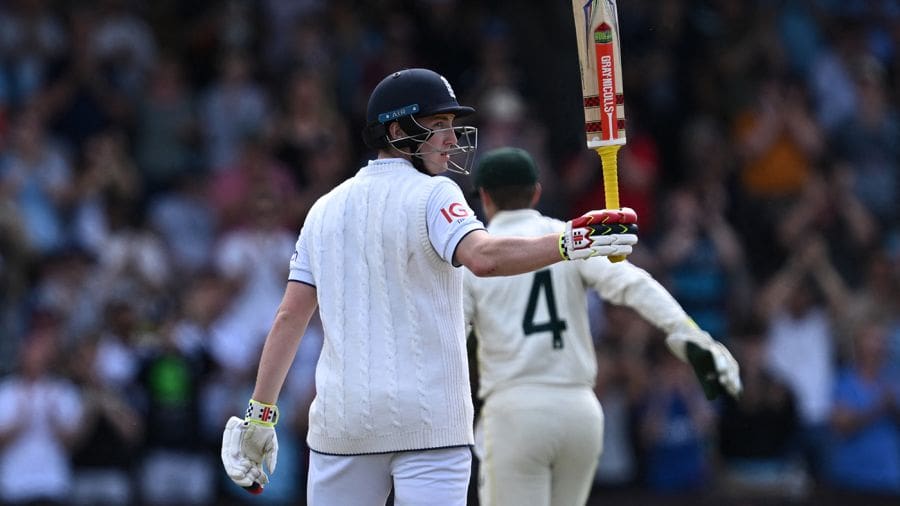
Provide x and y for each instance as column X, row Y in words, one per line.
column 543, row 284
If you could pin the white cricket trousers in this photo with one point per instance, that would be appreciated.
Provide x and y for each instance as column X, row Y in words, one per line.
column 538, row 446
column 419, row 478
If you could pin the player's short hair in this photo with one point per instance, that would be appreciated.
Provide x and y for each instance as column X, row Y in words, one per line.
column 508, row 198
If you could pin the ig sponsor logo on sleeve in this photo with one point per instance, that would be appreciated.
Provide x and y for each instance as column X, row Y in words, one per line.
column 455, row 211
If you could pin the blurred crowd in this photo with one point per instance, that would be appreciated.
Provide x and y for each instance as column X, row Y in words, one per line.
column 157, row 160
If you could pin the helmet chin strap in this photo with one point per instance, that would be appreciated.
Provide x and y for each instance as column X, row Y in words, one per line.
column 420, row 137
column 417, row 135
column 419, row 163
column 414, row 156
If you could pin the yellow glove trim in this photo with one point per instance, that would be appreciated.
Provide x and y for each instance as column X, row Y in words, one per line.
column 261, row 413
column 562, row 247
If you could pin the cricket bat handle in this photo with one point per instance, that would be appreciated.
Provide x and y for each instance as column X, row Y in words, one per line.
column 610, row 162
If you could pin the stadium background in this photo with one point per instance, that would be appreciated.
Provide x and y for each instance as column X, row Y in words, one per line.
column 157, row 160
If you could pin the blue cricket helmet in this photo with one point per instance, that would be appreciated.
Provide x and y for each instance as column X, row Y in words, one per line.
column 405, row 94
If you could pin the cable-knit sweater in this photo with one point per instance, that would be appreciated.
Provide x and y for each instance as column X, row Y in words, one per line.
column 393, row 372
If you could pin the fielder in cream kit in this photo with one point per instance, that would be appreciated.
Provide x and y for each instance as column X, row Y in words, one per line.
column 540, row 432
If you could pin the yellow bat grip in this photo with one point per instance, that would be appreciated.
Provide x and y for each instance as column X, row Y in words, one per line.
column 610, row 162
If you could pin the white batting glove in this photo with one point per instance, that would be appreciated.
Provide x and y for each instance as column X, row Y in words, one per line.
column 608, row 232
column 248, row 444
column 713, row 364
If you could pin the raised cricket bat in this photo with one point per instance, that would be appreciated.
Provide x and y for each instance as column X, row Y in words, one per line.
column 597, row 30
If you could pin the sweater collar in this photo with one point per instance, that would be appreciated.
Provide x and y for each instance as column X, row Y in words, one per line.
column 383, row 165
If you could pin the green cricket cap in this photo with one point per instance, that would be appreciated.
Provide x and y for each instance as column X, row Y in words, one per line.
column 505, row 167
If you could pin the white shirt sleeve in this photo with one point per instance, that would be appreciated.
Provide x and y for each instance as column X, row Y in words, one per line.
column 300, row 267
column 626, row 284
column 449, row 218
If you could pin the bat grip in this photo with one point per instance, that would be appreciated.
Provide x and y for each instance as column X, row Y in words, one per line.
column 610, row 164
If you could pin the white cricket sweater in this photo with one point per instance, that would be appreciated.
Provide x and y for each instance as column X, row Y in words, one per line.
column 393, row 372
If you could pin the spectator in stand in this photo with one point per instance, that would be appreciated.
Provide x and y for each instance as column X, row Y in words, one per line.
column 877, row 298
column 185, row 222
column 310, row 140
column 41, row 417
column 757, row 431
column 171, row 377
column 233, row 188
column 234, row 106
column 830, row 79
column 281, row 20
column 123, row 45
column 310, row 46
column 778, row 143
column 36, row 175
column 33, row 36
column 865, row 422
column 65, row 284
column 675, row 420
column 800, row 305
column 709, row 163
column 119, row 347
column 622, row 376
column 494, row 67
column 202, row 303
column 14, row 283
column 109, row 439
column 506, row 121
column 133, row 264
column 252, row 260
column 703, row 259
column 849, row 230
column 867, row 141
column 108, row 175
column 310, row 119
column 166, row 135
column 81, row 99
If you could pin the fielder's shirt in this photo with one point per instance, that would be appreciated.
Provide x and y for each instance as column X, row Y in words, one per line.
column 533, row 328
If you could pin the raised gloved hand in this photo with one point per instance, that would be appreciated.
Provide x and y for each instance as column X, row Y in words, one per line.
column 248, row 444
column 608, row 232
column 713, row 364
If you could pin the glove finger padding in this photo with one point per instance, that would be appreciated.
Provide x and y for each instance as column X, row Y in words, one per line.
column 245, row 447
column 728, row 369
column 611, row 250
column 270, row 453
column 621, row 215
column 237, row 466
column 608, row 232
column 615, row 240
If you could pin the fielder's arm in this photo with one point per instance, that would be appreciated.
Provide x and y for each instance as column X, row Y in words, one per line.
column 628, row 285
